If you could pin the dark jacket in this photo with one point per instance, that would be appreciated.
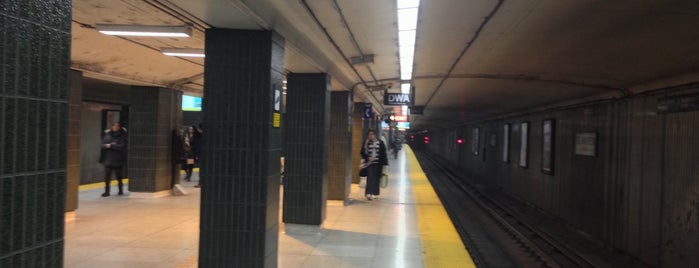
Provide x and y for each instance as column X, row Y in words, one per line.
column 177, row 147
column 115, row 155
column 195, row 143
column 383, row 159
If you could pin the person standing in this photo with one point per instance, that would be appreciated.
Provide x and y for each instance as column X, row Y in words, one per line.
column 374, row 152
column 113, row 156
column 177, row 155
column 190, row 156
column 193, row 142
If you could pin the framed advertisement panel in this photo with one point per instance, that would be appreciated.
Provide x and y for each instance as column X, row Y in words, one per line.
column 586, row 143
column 524, row 144
column 548, row 134
column 506, row 143
column 474, row 141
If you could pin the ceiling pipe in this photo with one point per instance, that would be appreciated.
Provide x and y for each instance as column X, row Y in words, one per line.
column 463, row 52
column 337, row 47
column 353, row 38
column 528, row 78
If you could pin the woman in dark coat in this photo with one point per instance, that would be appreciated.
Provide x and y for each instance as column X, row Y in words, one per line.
column 374, row 152
column 113, row 156
column 192, row 144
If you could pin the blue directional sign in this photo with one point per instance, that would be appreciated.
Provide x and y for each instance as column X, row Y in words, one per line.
column 368, row 113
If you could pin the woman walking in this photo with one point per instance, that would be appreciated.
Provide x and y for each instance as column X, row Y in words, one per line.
column 374, row 152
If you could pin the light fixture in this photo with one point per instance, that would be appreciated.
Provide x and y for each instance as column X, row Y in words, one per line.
column 145, row 30
column 363, row 59
column 183, row 52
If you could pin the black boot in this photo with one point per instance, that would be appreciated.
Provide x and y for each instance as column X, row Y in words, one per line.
column 121, row 188
column 106, row 191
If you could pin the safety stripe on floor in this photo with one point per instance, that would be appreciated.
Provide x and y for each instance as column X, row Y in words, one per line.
column 441, row 244
column 96, row 185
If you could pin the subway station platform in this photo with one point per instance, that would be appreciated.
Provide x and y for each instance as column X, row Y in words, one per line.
column 405, row 227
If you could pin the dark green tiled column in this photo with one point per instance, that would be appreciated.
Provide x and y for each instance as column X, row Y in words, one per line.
column 239, row 225
column 73, row 174
column 357, row 139
column 306, row 167
column 340, row 146
column 154, row 112
column 34, row 104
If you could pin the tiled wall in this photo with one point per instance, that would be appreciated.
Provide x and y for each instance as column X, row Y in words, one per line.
column 153, row 114
column 73, row 164
column 340, row 146
column 306, row 168
column 34, row 65
column 240, row 162
column 357, row 138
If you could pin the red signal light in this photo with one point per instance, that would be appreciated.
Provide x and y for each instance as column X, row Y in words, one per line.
column 459, row 140
column 427, row 139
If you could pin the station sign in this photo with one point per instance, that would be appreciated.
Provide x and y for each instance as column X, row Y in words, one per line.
column 368, row 113
column 396, row 99
column 400, row 118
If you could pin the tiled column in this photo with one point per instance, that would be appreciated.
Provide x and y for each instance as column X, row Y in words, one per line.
column 153, row 115
column 357, row 139
column 34, row 104
column 239, row 222
column 306, row 168
column 340, row 146
column 73, row 164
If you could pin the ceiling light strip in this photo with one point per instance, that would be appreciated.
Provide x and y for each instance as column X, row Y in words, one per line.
column 407, row 28
column 183, row 52
column 144, row 30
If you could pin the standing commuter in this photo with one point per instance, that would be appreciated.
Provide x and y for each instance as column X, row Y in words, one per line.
column 195, row 142
column 191, row 140
column 113, row 156
column 374, row 152
column 177, row 155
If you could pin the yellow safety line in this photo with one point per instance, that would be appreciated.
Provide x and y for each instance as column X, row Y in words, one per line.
column 441, row 244
column 100, row 185
column 114, row 182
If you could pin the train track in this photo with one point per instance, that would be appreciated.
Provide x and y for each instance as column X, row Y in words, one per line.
column 496, row 235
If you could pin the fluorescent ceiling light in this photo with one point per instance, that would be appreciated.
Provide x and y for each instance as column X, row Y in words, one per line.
column 408, row 3
column 405, row 88
column 144, row 30
column 407, row 24
column 183, row 52
column 406, row 38
column 407, row 52
column 407, row 19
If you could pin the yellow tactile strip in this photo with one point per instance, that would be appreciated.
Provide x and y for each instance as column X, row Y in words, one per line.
column 441, row 244
column 113, row 183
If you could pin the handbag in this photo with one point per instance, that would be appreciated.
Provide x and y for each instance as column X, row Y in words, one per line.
column 363, row 168
column 363, row 172
column 384, row 180
column 190, row 161
column 362, row 182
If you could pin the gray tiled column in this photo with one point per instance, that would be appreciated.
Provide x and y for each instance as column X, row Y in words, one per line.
column 306, row 167
column 153, row 115
column 34, row 104
column 73, row 164
column 340, row 146
column 357, row 139
column 239, row 222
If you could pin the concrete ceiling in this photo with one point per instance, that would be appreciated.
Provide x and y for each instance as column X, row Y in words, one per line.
column 474, row 59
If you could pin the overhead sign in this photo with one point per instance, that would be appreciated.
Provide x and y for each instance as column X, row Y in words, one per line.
column 400, row 118
column 396, row 99
column 368, row 113
column 416, row 109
